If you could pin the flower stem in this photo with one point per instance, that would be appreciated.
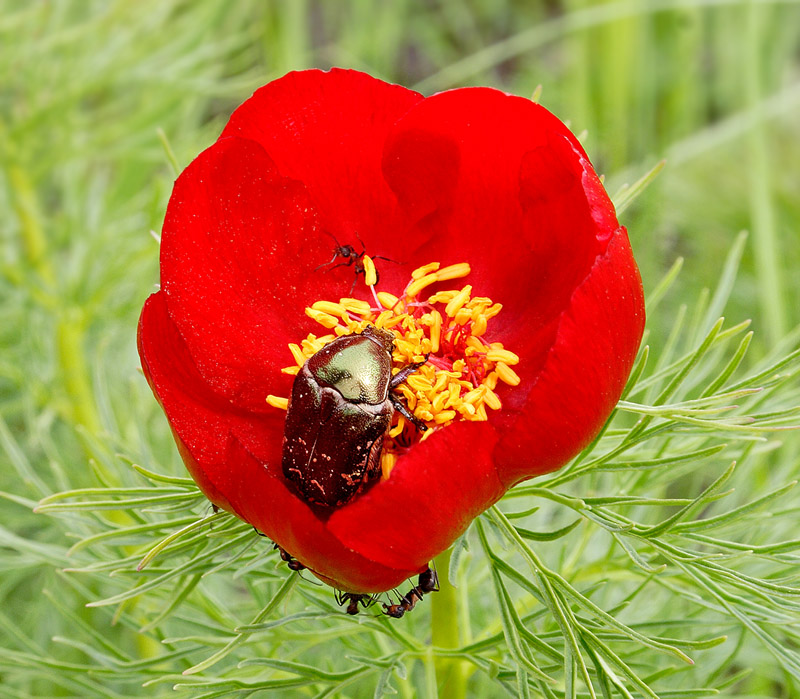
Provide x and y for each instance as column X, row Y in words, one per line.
column 450, row 677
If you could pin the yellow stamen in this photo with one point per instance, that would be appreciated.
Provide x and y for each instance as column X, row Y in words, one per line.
column 458, row 301
column 334, row 309
column 419, row 284
column 278, row 402
column 507, row 374
column 502, row 355
column 490, row 398
column 297, row 354
column 444, row 416
column 420, row 272
column 388, row 460
column 324, row 319
column 479, row 325
column 387, row 300
column 462, row 269
column 370, row 275
column 356, row 306
column 460, row 379
column 398, row 428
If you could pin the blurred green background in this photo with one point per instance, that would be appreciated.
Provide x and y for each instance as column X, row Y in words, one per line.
column 97, row 97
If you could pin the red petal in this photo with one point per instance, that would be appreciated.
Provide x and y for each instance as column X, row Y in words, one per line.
column 583, row 375
column 232, row 457
column 327, row 129
column 434, row 492
column 234, row 268
column 499, row 182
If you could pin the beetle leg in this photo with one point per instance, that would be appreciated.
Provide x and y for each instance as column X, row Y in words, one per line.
column 405, row 372
column 406, row 413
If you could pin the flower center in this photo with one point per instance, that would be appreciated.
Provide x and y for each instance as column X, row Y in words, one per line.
column 459, row 379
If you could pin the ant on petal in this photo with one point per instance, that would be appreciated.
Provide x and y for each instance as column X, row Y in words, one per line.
column 350, row 257
column 354, row 599
column 427, row 582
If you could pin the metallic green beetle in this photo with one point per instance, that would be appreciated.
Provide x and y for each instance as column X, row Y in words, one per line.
column 339, row 411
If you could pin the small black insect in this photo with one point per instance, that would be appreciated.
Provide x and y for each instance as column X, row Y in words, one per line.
column 427, row 582
column 351, row 257
column 353, row 599
column 341, row 406
column 291, row 561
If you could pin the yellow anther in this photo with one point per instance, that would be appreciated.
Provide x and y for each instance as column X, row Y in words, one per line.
column 476, row 344
column 453, row 272
column 324, row 319
column 356, row 306
column 462, row 316
column 441, row 381
column 490, row 398
column 370, row 274
column 409, row 395
column 419, row 284
column 444, row 416
column 493, row 310
column 439, row 401
column 388, row 460
column 507, row 374
column 442, row 297
column 458, row 301
column 419, row 383
column 387, row 300
column 334, row 309
column 436, row 331
column 491, row 380
column 398, row 428
column 343, row 330
column 390, row 321
column 420, row 272
column 472, row 397
column 278, row 402
column 453, row 394
column 502, row 355
column 479, row 325
column 297, row 353
column 291, row 370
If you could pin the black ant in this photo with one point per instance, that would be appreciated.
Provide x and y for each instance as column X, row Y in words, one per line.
column 354, row 600
column 427, row 582
column 291, row 561
column 351, row 257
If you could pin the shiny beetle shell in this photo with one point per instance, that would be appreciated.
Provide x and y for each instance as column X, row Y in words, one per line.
column 339, row 411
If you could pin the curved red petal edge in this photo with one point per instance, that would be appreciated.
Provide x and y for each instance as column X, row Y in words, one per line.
column 583, row 375
column 434, row 492
column 498, row 181
column 327, row 129
column 212, row 444
column 471, row 175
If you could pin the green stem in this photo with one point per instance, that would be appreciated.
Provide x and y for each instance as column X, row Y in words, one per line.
column 769, row 267
column 450, row 677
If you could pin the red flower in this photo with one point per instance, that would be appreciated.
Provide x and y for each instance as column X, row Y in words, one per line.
column 470, row 175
